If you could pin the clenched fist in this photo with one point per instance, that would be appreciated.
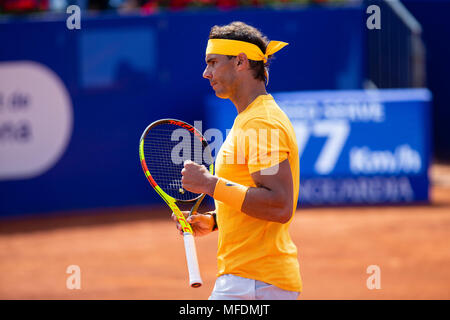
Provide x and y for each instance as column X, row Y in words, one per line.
column 197, row 179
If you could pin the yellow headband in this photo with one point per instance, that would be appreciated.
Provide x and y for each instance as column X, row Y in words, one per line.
column 234, row 47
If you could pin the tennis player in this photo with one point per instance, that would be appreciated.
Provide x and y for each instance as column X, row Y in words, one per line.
column 256, row 183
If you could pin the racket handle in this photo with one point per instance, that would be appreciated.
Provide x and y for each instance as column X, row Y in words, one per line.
column 195, row 279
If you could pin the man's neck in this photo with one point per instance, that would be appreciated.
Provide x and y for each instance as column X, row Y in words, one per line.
column 247, row 94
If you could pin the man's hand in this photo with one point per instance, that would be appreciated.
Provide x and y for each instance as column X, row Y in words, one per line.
column 197, row 179
column 201, row 224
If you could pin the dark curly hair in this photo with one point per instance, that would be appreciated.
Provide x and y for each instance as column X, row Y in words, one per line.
column 241, row 31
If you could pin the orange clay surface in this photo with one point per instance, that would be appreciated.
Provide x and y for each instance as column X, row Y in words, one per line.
column 124, row 254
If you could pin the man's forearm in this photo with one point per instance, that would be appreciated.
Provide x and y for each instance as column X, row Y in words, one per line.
column 258, row 202
column 266, row 204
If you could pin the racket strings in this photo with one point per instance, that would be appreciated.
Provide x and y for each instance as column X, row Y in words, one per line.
column 166, row 147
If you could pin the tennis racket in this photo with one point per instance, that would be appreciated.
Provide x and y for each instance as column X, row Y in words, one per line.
column 163, row 148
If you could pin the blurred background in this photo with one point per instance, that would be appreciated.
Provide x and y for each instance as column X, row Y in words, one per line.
column 363, row 82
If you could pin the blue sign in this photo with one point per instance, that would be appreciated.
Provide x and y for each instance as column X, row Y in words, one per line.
column 355, row 147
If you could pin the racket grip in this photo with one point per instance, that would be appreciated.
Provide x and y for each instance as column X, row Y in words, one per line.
column 195, row 279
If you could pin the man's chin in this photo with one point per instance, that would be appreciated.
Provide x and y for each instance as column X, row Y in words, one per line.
column 221, row 95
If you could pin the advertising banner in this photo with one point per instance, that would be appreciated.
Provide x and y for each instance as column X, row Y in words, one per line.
column 357, row 146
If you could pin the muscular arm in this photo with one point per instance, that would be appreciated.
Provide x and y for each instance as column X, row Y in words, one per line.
column 272, row 199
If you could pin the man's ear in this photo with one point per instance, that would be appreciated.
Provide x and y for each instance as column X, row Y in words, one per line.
column 241, row 59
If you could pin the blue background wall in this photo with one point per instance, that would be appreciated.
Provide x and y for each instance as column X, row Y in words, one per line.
column 433, row 16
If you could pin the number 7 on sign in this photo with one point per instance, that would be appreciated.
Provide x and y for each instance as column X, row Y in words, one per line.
column 336, row 131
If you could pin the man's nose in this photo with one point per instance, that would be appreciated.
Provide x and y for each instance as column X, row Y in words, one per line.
column 207, row 73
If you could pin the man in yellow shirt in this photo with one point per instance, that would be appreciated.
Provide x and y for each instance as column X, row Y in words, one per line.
column 256, row 183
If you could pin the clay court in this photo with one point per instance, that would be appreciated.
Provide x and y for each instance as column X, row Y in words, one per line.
column 136, row 253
